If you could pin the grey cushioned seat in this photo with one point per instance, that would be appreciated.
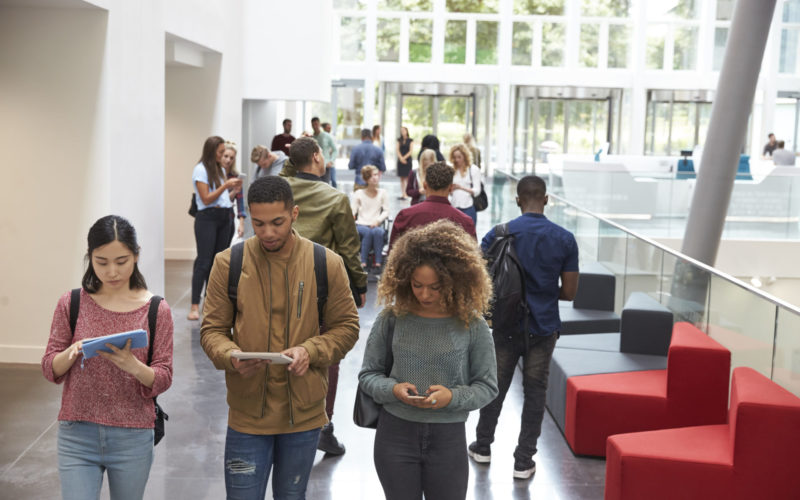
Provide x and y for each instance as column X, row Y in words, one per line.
column 646, row 326
column 576, row 321
column 591, row 342
column 571, row 362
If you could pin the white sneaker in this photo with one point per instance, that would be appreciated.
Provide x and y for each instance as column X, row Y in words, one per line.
column 523, row 471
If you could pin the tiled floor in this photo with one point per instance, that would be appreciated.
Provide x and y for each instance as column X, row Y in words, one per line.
column 188, row 463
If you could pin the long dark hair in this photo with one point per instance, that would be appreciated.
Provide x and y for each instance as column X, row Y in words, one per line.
column 209, row 160
column 104, row 231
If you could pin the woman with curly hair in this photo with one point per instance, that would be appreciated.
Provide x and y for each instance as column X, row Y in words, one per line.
column 466, row 182
column 435, row 289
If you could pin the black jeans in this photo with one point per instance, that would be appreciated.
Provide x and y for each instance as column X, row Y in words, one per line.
column 212, row 234
column 535, row 371
column 413, row 458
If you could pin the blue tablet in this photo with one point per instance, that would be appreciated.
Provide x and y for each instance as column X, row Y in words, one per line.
column 93, row 345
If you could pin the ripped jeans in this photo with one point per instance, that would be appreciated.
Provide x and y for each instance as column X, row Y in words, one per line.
column 249, row 458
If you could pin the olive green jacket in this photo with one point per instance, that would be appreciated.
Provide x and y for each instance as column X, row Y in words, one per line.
column 326, row 218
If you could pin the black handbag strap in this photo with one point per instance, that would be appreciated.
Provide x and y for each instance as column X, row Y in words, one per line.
column 389, row 337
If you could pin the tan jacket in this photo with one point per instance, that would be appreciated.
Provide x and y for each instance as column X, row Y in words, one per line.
column 268, row 395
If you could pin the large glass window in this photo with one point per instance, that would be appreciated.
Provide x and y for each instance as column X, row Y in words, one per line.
column 388, row 43
column 789, row 49
column 791, row 11
column 351, row 38
column 405, row 5
column 656, row 34
column 522, row 44
column 553, row 44
column 720, row 40
column 455, row 42
column 618, row 41
column 590, row 44
column 486, row 42
column 418, row 116
column 350, row 4
column 725, row 10
column 455, row 115
column 675, row 9
column 419, row 40
column 539, row 7
column 480, row 6
column 588, row 126
column 684, row 55
column 606, row 8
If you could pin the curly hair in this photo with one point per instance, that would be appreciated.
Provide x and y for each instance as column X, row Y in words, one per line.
column 368, row 171
column 464, row 150
column 453, row 255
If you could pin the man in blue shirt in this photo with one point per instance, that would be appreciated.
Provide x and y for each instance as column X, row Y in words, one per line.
column 365, row 153
column 547, row 252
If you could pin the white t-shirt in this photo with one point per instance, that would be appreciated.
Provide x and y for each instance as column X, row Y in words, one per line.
column 199, row 174
column 369, row 210
column 471, row 179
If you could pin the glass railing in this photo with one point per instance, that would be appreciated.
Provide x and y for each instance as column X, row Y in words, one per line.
column 761, row 331
column 765, row 204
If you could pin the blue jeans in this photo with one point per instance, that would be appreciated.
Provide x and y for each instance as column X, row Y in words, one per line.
column 413, row 458
column 473, row 214
column 371, row 239
column 86, row 450
column 250, row 457
column 535, row 371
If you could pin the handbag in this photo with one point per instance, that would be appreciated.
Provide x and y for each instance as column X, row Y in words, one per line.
column 366, row 410
column 480, row 202
column 193, row 206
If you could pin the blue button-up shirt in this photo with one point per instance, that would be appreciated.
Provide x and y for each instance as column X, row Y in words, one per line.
column 366, row 153
column 545, row 250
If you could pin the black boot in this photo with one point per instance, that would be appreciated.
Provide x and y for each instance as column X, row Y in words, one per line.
column 328, row 442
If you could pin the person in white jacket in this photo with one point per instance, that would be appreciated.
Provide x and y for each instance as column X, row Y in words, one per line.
column 466, row 181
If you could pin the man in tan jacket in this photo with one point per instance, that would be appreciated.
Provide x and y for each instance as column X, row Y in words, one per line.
column 275, row 410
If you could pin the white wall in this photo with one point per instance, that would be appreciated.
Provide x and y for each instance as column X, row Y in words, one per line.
column 53, row 127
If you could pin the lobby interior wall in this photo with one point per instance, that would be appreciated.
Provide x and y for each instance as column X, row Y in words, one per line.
column 190, row 103
column 53, row 116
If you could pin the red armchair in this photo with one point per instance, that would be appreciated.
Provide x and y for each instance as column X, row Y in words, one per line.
column 754, row 455
column 693, row 390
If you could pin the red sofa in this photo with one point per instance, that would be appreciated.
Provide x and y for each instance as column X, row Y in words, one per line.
column 755, row 455
column 693, row 390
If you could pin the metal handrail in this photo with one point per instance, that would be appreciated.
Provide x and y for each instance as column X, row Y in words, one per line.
column 764, row 295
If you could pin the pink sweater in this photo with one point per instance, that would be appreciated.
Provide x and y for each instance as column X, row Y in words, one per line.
column 101, row 392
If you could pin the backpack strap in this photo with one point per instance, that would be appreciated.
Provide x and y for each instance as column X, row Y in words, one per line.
column 152, row 319
column 390, row 335
column 234, row 273
column 321, row 272
column 74, row 307
column 501, row 230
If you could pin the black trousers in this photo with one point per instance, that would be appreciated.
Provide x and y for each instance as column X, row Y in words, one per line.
column 212, row 234
column 413, row 458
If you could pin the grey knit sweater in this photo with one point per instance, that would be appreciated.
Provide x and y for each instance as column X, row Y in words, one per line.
column 430, row 351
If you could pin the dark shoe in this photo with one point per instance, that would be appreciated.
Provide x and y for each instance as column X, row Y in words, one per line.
column 328, row 442
column 481, row 454
column 524, row 470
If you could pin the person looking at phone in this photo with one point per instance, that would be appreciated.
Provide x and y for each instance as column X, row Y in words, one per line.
column 436, row 284
column 212, row 223
column 229, row 164
column 276, row 411
column 107, row 401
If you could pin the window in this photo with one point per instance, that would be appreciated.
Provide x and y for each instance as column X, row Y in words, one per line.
column 479, row 6
column 725, row 10
column 618, row 36
column 419, row 40
column 350, row 4
column 675, row 9
column 455, row 42
column 539, row 7
column 486, row 42
column 606, row 8
column 656, row 34
column 522, row 44
column 720, row 40
column 789, row 49
column 351, row 38
column 791, row 11
column 685, row 50
column 406, row 5
column 552, row 44
column 388, row 42
column 590, row 43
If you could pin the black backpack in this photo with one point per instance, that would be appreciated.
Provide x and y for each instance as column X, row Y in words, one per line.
column 509, row 309
column 320, row 271
column 152, row 319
